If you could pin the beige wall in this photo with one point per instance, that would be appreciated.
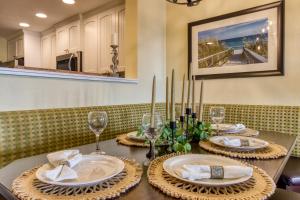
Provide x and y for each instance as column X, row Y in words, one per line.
column 3, row 49
column 130, row 48
column 19, row 93
column 283, row 90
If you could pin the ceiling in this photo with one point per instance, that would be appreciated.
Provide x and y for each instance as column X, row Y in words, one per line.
column 12, row 12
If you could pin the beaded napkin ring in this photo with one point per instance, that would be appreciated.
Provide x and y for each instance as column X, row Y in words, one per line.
column 245, row 143
column 216, row 172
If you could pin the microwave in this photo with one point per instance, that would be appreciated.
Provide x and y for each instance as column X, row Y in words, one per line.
column 70, row 62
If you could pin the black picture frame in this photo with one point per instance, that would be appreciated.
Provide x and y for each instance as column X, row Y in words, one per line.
column 280, row 41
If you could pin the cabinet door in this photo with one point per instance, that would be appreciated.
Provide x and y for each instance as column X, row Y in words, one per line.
column 11, row 50
column 20, row 47
column 74, row 37
column 107, row 27
column 46, row 51
column 90, row 50
column 120, row 25
column 53, row 52
column 62, row 41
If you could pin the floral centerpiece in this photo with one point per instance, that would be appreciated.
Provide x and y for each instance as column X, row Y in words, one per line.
column 178, row 134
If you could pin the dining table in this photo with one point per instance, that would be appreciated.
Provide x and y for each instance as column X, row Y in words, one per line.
column 144, row 190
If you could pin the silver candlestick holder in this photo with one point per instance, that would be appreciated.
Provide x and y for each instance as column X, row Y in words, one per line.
column 115, row 60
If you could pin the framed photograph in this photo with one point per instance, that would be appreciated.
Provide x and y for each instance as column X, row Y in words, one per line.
column 247, row 43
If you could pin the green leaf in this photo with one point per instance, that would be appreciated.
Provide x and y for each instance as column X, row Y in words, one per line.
column 178, row 147
column 179, row 132
column 181, row 139
column 187, row 147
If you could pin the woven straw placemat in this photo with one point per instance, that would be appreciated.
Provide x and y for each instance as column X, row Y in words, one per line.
column 123, row 139
column 259, row 187
column 271, row 152
column 27, row 186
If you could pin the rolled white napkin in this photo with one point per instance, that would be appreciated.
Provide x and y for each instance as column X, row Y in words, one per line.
column 235, row 142
column 60, row 173
column 240, row 126
column 63, row 161
column 71, row 157
column 197, row 172
column 235, row 128
column 229, row 127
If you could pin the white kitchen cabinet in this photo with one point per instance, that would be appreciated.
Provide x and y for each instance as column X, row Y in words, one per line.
column 48, row 49
column 97, row 32
column 107, row 26
column 53, row 52
column 11, row 49
column 68, row 38
column 62, row 41
column 90, row 50
column 32, row 49
column 15, row 48
column 121, row 31
column 19, row 47
column 74, row 37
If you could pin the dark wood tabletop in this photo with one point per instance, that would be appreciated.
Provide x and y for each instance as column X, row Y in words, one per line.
column 144, row 190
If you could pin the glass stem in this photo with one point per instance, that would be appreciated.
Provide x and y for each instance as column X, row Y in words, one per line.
column 97, row 143
column 218, row 128
column 152, row 149
column 148, row 155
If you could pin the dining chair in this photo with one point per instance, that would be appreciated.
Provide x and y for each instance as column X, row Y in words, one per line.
column 281, row 194
column 5, row 194
column 290, row 178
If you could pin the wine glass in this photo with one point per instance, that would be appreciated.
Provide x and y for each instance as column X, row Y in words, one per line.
column 97, row 121
column 152, row 133
column 217, row 115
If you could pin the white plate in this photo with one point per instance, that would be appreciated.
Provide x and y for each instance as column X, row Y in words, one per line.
column 254, row 143
column 228, row 128
column 201, row 159
column 91, row 170
column 133, row 136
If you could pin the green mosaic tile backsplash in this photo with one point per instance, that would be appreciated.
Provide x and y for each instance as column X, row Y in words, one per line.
column 28, row 133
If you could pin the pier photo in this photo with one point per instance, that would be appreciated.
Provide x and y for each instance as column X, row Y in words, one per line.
column 239, row 44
